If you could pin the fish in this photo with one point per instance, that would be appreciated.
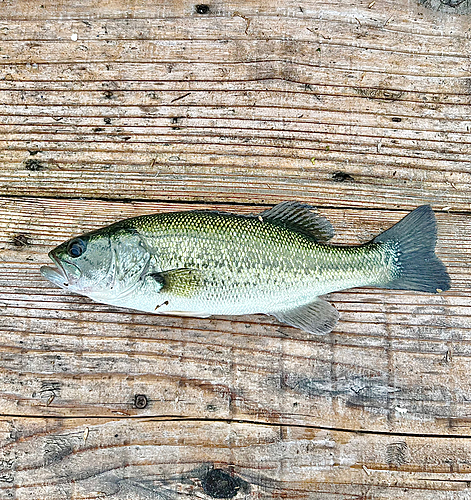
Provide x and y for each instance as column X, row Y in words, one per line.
column 279, row 262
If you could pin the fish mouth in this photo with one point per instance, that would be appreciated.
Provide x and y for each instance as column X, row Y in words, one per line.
column 56, row 275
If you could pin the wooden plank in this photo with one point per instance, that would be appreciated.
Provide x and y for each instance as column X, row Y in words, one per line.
column 360, row 108
column 114, row 9
column 141, row 459
column 397, row 362
column 268, row 106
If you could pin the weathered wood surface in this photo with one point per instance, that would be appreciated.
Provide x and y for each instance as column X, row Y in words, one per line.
column 236, row 103
column 361, row 109
column 150, row 459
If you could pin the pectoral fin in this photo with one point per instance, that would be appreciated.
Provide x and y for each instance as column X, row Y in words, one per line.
column 181, row 282
column 318, row 317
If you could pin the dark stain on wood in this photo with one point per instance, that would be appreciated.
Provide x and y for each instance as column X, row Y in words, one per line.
column 56, row 448
column 20, row 240
column 375, row 93
column 342, row 177
column 205, row 481
column 219, row 484
column 202, row 9
column 365, row 392
column 461, row 7
column 396, row 454
column 375, row 394
column 34, row 165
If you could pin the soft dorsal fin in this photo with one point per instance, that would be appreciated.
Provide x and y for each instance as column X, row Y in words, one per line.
column 299, row 217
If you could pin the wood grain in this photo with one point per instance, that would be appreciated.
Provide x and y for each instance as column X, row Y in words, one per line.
column 263, row 107
column 115, row 109
column 147, row 458
column 356, row 378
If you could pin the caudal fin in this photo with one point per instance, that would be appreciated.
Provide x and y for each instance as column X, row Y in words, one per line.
column 412, row 241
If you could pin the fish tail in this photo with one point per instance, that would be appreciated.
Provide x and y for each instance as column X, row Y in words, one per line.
column 411, row 243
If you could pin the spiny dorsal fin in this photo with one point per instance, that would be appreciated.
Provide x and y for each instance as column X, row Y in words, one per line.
column 299, row 217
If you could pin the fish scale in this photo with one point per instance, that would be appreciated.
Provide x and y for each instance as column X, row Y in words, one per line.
column 202, row 263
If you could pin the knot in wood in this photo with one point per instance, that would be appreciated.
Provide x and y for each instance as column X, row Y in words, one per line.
column 140, row 401
column 202, row 9
column 220, row 484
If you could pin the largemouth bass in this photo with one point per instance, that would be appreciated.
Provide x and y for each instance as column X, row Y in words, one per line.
column 201, row 263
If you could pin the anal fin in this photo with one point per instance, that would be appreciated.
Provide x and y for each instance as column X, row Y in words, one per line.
column 318, row 317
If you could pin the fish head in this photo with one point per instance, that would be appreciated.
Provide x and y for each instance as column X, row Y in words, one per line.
column 104, row 265
column 82, row 263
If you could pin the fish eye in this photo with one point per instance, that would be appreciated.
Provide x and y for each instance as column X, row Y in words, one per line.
column 76, row 248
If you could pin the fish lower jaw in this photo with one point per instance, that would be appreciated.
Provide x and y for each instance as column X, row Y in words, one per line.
column 55, row 275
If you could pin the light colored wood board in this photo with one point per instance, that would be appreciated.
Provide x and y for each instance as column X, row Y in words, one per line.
column 143, row 459
column 397, row 361
column 271, row 39
column 237, row 103
column 337, row 104
column 305, row 52
column 187, row 74
column 256, row 113
column 151, row 88
column 400, row 34
column 237, row 184
column 427, row 20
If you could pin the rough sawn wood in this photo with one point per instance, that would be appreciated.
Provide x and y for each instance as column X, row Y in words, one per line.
column 115, row 109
